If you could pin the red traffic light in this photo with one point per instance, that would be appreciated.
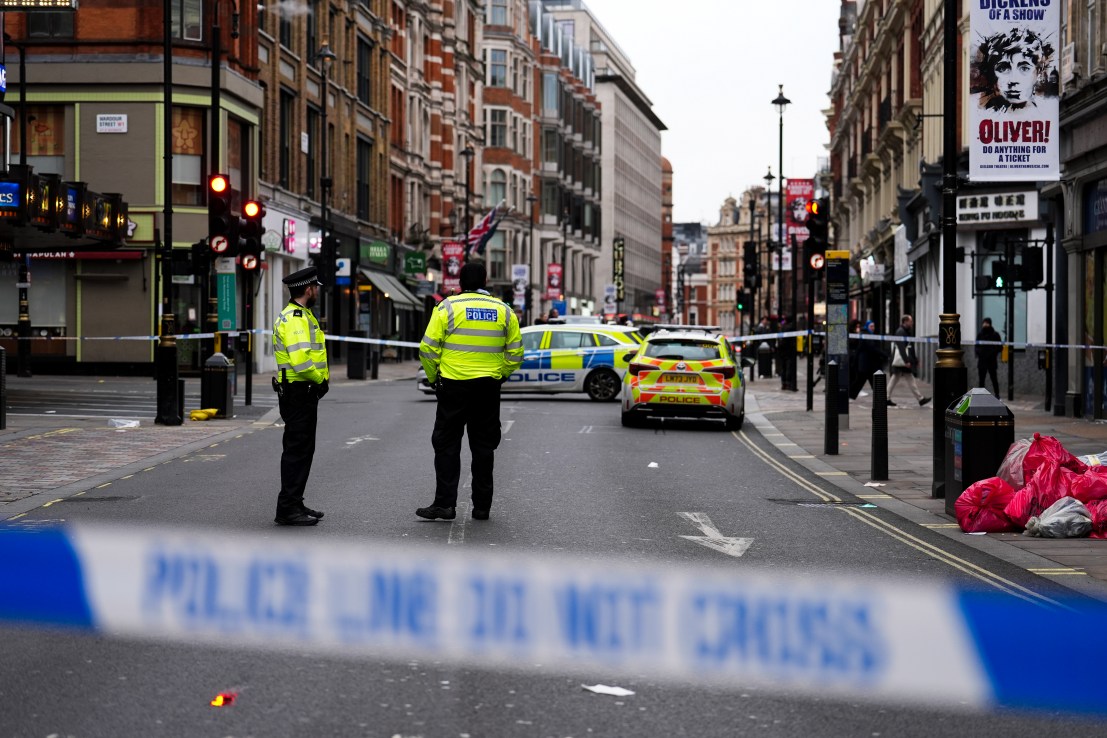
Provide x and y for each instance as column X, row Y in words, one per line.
column 251, row 208
column 812, row 207
column 218, row 183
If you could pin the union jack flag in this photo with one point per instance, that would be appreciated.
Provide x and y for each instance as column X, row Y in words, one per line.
column 482, row 232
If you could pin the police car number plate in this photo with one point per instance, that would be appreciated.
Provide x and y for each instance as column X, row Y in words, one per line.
column 680, row 378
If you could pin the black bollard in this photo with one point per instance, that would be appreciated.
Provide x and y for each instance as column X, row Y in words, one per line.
column 3, row 389
column 830, row 424
column 374, row 360
column 879, row 466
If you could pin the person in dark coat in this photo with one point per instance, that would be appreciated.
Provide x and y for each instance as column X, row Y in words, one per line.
column 986, row 356
column 871, row 356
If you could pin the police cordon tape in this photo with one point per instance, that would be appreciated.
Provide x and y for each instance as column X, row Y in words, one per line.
column 751, row 337
column 820, row 635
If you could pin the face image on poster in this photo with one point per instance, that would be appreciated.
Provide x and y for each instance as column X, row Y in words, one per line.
column 1014, row 93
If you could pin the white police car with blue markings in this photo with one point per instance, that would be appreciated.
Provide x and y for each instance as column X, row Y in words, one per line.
column 572, row 357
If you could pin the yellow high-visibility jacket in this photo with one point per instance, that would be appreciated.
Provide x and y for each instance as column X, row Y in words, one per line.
column 299, row 346
column 471, row 335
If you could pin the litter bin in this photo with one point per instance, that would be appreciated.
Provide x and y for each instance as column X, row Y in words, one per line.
column 764, row 359
column 355, row 357
column 979, row 431
column 217, row 385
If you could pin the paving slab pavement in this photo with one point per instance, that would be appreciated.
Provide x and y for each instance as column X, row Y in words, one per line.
column 1079, row 563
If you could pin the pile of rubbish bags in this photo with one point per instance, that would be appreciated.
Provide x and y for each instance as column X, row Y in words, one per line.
column 1040, row 489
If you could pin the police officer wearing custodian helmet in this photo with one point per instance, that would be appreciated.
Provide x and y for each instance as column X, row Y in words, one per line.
column 472, row 345
column 301, row 353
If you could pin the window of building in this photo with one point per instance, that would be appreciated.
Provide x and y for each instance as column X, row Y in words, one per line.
column 497, row 12
column 497, row 257
column 188, row 157
column 497, row 68
column 364, row 157
column 186, row 20
column 551, row 145
column 314, row 118
column 551, row 93
column 285, row 30
column 497, row 127
column 312, row 36
column 551, row 198
column 364, row 61
column 497, row 187
column 60, row 25
column 286, row 133
column 45, row 138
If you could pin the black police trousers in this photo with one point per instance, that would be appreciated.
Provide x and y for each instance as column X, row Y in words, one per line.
column 300, row 411
column 471, row 405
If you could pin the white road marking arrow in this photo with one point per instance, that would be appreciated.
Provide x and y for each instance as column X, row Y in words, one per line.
column 712, row 538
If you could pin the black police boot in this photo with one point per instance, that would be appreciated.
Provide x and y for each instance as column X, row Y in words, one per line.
column 295, row 518
column 313, row 513
column 434, row 513
column 479, row 514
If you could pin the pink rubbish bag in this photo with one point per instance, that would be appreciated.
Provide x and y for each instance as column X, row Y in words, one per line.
column 1089, row 486
column 1010, row 470
column 1045, row 449
column 979, row 509
column 1048, row 485
column 1098, row 510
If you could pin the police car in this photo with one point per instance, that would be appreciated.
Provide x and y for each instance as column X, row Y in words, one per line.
column 685, row 372
column 569, row 358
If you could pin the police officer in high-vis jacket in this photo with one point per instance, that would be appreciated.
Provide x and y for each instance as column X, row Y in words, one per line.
column 471, row 346
column 302, row 380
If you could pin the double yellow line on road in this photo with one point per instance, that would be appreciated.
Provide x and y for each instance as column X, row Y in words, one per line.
column 967, row 567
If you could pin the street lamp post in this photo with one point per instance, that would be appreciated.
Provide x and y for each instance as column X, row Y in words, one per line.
column 950, row 375
column 326, row 57
column 788, row 374
column 564, row 246
column 531, row 199
column 753, row 282
column 468, row 153
column 780, row 262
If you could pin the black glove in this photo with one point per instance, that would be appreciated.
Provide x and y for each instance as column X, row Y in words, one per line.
column 322, row 389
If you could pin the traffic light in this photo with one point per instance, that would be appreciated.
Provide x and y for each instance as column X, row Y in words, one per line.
column 818, row 222
column 250, row 233
column 818, row 236
column 741, row 301
column 201, row 257
column 221, row 222
column 749, row 265
column 1031, row 267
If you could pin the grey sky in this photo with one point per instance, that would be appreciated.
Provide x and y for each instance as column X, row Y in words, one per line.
column 711, row 69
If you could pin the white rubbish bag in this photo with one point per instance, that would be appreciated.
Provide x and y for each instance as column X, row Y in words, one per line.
column 1066, row 518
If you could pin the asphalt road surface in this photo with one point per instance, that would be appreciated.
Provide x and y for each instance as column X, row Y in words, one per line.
column 570, row 479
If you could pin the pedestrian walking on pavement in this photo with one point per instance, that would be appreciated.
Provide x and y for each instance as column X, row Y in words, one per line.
column 472, row 345
column 986, row 356
column 905, row 361
column 871, row 357
column 300, row 350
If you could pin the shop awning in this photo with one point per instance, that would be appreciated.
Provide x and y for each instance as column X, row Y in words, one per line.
column 392, row 288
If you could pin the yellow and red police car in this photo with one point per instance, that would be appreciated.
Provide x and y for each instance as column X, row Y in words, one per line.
column 683, row 371
column 570, row 357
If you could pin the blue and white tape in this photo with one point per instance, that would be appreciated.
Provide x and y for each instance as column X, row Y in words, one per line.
column 819, row 635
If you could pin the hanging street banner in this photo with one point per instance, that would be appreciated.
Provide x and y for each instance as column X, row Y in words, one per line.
column 618, row 250
column 520, row 283
column 553, row 282
column 610, row 300
column 453, row 256
column 1014, row 89
column 798, row 192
